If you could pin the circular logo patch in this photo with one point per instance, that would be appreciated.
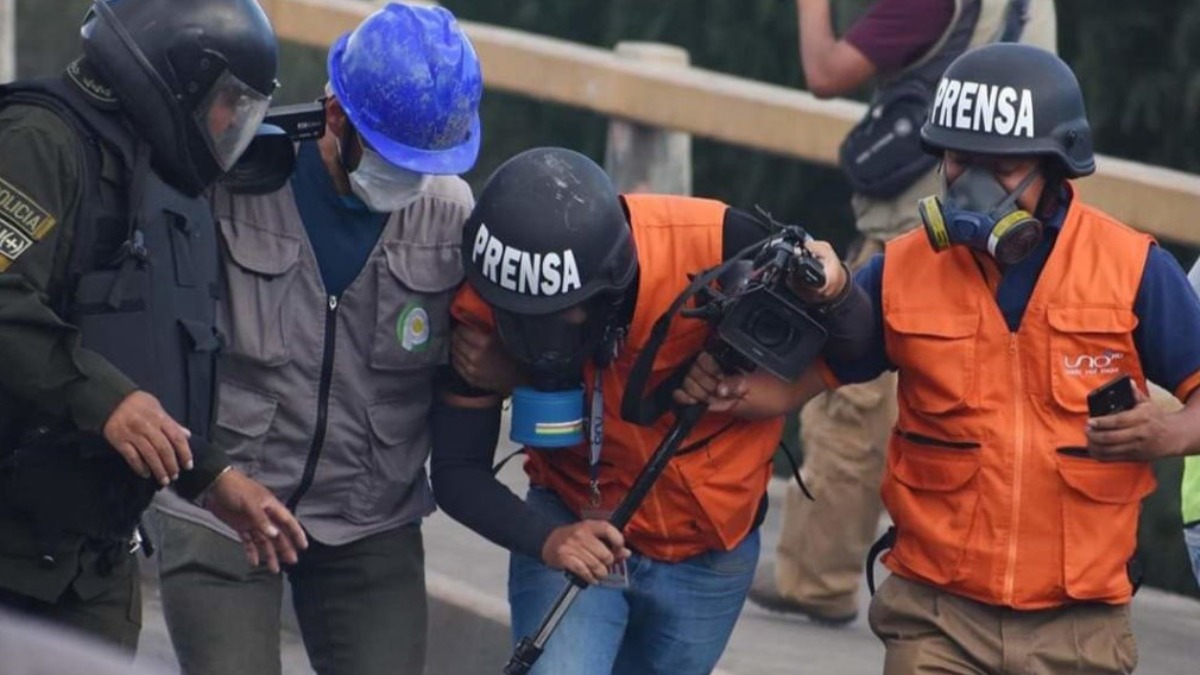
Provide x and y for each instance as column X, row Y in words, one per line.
column 412, row 328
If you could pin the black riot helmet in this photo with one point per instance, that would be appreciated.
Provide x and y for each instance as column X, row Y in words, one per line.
column 195, row 77
column 549, row 234
column 1011, row 99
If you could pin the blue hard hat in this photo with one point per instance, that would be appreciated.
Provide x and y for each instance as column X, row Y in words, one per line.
column 409, row 81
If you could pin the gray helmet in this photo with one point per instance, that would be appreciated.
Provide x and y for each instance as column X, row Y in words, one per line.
column 1011, row 99
column 195, row 77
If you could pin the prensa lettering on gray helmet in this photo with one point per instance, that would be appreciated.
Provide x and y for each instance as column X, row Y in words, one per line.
column 553, row 273
column 988, row 108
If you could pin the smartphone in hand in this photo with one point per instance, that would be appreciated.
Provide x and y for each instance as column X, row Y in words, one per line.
column 1114, row 396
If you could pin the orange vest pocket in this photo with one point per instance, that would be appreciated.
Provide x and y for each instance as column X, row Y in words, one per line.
column 1100, row 507
column 935, row 354
column 1088, row 347
column 725, row 498
column 931, row 493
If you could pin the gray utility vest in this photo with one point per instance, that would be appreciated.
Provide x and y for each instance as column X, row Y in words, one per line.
column 882, row 156
column 140, row 284
column 325, row 399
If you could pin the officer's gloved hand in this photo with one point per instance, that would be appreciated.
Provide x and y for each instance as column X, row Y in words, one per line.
column 151, row 443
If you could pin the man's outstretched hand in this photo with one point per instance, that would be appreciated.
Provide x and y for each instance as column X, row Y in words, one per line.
column 268, row 531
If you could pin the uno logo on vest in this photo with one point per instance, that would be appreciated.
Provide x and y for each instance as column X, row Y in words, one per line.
column 553, row 273
column 987, row 108
column 1086, row 364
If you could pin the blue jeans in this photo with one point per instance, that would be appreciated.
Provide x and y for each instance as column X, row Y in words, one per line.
column 672, row 618
column 1191, row 536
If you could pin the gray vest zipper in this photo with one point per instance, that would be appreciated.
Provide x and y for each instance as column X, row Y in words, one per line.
column 314, row 451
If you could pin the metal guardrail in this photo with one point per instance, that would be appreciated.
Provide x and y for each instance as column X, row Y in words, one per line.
column 733, row 110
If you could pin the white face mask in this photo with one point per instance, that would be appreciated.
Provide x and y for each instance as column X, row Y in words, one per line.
column 383, row 187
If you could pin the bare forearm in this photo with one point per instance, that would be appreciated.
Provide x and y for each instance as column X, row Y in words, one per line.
column 1185, row 425
column 768, row 396
column 816, row 31
column 816, row 39
column 832, row 67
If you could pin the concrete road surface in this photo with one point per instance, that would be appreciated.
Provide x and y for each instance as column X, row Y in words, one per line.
column 469, row 617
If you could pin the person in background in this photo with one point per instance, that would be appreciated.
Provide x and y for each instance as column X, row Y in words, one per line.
column 1190, row 491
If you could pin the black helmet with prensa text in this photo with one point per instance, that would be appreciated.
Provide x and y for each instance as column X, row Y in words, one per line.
column 1011, row 99
column 549, row 248
column 547, row 233
column 195, row 77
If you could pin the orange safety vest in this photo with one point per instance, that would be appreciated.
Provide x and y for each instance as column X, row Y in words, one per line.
column 707, row 498
column 991, row 493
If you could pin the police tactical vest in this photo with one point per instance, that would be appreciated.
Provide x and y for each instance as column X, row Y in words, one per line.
column 139, row 284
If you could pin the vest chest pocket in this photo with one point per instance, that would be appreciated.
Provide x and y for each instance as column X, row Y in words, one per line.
column 935, row 354
column 412, row 323
column 1088, row 347
column 259, row 270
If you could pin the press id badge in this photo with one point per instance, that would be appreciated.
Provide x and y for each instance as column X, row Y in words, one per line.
column 618, row 573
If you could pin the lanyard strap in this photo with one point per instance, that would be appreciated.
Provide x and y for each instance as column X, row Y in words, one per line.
column 596, row 436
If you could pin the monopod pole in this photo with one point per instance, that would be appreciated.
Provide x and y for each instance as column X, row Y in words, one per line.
column 529, row 649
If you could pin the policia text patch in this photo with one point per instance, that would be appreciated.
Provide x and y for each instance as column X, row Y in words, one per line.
column 22, row 222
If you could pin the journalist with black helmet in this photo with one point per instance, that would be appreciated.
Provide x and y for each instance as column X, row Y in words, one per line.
column 1015, row 502
column 107, row 264
column 565, row 281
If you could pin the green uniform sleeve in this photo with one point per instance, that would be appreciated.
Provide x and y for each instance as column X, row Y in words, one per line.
column 42, row 361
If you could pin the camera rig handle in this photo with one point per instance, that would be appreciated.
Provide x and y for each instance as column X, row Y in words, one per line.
column 530, row 648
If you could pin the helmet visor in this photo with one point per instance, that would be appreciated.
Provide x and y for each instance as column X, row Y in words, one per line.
column 228, row 118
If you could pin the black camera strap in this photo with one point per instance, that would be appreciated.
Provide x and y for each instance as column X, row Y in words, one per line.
column 639, row 409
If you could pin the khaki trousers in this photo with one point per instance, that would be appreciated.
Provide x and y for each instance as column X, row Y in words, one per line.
column 823, row 543
column 926, row 630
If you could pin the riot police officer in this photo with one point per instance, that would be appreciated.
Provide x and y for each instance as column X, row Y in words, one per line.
column 107, row 264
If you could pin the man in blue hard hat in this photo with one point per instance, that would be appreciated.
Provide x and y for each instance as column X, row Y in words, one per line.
column 335, row 301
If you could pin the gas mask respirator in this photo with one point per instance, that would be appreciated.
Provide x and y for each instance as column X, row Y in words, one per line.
column 552, row 351
column 976, row 211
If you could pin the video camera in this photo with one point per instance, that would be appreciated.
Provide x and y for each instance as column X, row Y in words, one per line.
column 758, row 320
column 270, row 159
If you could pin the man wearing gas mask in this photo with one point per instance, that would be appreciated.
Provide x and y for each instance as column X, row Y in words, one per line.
column 108, row 258
column 1015, row 510
column 335, row 307
column 565, row 280
column 901, row 47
